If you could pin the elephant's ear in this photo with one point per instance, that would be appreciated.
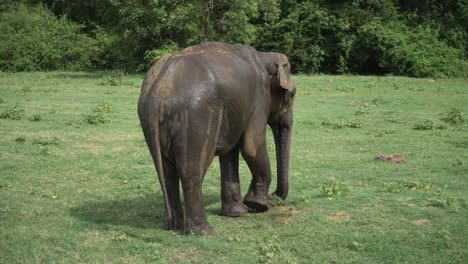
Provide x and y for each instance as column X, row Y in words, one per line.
column 283, row 80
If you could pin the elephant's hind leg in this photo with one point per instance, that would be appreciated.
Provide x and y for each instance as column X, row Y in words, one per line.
column 172, row 186
column 231, row 200
column 195, row 214
column 191, row 170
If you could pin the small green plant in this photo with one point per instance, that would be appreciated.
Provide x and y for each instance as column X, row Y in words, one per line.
column 357, row 246
column 371, row 85
column 378, row 101
column 459, row 162
column 425, row 124
column 332, row 188
column 354, row 124
column 35, row 118
column 362, row 111
column 346, row 89
column 6, row 184
column 96, row 118
column 454, row 116
column 444, row 198
column 441, row 126
column 104, row 107
column 47, row 152
column 120, row 237
column 26, row 89
column 410, row 185
column 45, row 141
column 269, row 250
column 2, row 101
column 115, row 78
column 15, row 113
column 21, row 140
column 342, row 124
column 382, row 132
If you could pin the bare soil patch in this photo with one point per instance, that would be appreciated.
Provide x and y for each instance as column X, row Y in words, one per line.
column 339, row 216
column 421, row 221
column 393, row 159
column 284, row 215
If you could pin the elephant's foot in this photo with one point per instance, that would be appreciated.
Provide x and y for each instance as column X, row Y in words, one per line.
column 174, row 224
column 203, row 229
column 257, row 202
column 234, row 211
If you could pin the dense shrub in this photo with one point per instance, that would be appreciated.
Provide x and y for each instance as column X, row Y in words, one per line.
column 34, row 39
column 392, row 47
column 417, row 38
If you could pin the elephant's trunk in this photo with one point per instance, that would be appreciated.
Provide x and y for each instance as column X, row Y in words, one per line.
column 282, row 135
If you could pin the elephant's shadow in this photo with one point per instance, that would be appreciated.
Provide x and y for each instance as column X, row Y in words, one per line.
column 142, row 211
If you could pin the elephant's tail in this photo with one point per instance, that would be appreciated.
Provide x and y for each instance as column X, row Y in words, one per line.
column 157, row 157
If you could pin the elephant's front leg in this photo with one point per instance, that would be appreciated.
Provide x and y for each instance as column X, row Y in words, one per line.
column 231, row 200
column 255, row 153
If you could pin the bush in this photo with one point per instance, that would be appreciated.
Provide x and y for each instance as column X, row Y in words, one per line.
column 425, row 124
column 392, row 47
column 332, row 188
column 15, row 113
column 104, row 107
column 156, row 54
column 44, row 141
column 96, row 118
column 35, row 118
column 34, row 39
column 454, row 116
column 113, row 79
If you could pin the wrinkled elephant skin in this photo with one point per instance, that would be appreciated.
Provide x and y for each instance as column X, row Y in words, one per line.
column 216, row 99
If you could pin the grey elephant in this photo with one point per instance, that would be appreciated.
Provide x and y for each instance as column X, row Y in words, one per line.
column 216, row 99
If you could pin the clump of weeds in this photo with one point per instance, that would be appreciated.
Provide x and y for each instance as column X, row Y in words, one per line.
column 454, row 116
column 14, row 113
column 45, row 141
column 410, row 185
column 378, row 101
column 364, row 110
column 36, row 118
column 115, row 78
column 96, row 118
column 333, row 188
column 21, row 140
column 99, row 114
column 47, row 152
column 104, row 107
column 382, row 132
column 443, row 198
column 269, row 250
column 426, row 124
column 343, row 124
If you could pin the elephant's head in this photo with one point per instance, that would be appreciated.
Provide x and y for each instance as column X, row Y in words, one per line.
column 282, row 90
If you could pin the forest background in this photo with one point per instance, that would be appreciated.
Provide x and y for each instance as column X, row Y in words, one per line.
column 418, row 38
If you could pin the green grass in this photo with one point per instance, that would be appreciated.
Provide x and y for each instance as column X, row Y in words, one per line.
column 80, row 191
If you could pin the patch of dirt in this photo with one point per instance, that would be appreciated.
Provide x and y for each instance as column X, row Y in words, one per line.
column 284, row 215
column 421, row 221
column 393, row 159
column 339, row 216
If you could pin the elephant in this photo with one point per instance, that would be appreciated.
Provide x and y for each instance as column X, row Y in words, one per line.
column 216, row 99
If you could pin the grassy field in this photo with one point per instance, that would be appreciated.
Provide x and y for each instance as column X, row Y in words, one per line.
column 77, row 184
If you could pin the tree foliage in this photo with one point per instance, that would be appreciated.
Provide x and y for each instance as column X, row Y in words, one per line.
column 411, row 37
column 34, row 39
